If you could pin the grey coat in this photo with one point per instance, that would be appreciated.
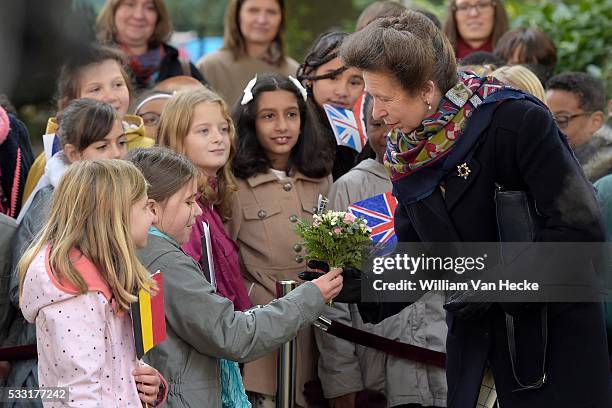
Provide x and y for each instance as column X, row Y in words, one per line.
column 25, row 373
column 596, row 155
column 8, row 226
column 345, row 367
column 203, row 326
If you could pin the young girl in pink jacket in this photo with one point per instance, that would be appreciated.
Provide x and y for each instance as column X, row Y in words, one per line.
column 77, row 282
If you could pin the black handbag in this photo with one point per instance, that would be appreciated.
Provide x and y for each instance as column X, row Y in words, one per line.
column 517, row 221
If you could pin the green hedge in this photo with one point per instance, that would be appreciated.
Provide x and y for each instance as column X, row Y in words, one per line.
column 581, row 29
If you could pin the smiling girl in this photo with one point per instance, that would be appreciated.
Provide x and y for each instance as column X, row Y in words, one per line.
column 96, row 73
column 88, row 129
column 197, row 124
column 281, row 169
column 203, row 327
column 328, row 81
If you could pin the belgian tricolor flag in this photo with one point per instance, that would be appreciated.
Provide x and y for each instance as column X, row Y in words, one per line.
column 149, row 318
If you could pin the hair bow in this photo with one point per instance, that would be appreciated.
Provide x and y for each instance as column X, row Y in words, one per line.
column 299, row 86
column 248, row 91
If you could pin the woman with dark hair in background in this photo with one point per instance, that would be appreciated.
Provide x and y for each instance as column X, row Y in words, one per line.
column 253, row 43
column 141, row 29
column 530, row 47
column 475, row 25
column 457, row 139
column 328, row 81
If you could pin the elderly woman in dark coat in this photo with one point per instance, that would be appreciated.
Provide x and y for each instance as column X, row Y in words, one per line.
column 446, row 124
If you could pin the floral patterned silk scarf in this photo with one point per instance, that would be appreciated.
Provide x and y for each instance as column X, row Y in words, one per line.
column 408, row 153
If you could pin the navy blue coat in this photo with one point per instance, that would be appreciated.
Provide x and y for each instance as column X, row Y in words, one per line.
column 522, row 149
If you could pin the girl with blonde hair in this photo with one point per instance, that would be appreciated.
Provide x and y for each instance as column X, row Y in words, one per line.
column 77, row 280
column 88, row 129
column 197, row 123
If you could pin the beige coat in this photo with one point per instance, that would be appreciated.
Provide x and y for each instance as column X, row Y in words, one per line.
column 264, row 213
column 228, row 77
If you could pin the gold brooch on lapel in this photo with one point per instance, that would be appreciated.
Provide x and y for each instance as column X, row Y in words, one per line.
column 463, row 170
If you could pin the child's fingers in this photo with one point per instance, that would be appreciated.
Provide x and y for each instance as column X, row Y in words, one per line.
column 147, row 389
column 144, row 369
column 153, row 380
column 149, row 399
column 334, row 273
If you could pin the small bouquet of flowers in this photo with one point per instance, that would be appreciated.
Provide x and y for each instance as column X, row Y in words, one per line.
column 336, row 237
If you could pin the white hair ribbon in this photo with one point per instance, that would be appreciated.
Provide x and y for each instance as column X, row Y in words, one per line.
column 299, row 87
column 160, row 95
column 248, row 91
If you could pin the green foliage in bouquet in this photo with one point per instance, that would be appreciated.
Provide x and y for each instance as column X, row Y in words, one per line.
column 337, row 237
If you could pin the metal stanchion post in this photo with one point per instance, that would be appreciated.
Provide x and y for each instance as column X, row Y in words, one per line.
column 285, row 369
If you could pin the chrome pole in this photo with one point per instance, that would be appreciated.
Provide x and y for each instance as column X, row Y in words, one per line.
column 285, row 369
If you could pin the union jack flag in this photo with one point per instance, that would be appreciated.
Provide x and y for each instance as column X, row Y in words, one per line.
column 347, row 129
column 378, row 212
column 51, row 144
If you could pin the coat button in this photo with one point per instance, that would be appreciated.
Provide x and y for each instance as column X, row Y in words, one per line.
column 287, row 187
column 299, row 259
column 262, row 214
column 297, row 247
column 293, row 218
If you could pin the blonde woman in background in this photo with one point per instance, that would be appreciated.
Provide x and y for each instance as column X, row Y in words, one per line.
column 521, row 77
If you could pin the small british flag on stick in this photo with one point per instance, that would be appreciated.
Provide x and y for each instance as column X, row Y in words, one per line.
column 348, row 131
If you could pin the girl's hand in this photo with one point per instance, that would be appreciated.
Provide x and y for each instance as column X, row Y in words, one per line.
column 330, row 284
column 148, row 382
